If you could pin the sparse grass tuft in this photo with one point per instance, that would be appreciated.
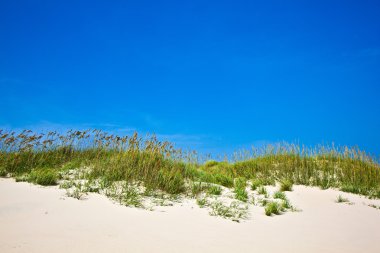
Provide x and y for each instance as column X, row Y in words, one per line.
column 197, row 188
column 341, row 199
column 202, row 202
column 233, row 211
column 262, row 191
column 279, row 195
column 374, row 206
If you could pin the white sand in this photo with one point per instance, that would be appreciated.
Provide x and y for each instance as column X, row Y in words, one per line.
column 42, row 219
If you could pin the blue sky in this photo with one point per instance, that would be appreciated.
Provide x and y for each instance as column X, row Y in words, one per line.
column 210, row 75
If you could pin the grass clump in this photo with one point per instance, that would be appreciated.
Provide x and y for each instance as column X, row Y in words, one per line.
column 3, row 172
column 286, row 185
column 272, row 208
column 279, row 195
column 202, row 202
column 341, row 199
column 130, row 196
column 241, row 194
column 197, row 188
column 262, row 191
column 240, row 189
column 232, row 211
column 43, row 177
column 214, row 190
column 224, row 180
column 255, row 183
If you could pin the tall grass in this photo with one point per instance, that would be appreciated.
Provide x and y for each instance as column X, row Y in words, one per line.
column 159, row 166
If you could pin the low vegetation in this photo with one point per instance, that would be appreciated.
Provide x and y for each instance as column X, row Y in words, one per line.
column 272, row 208
column 140, row 172
column 341, row 199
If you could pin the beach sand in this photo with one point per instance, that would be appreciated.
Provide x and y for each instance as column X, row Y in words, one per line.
column 42, row 219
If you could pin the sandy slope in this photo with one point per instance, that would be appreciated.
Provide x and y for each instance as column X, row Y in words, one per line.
column 39, row 219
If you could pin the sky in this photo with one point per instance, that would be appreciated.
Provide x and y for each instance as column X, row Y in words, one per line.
column 215, row 76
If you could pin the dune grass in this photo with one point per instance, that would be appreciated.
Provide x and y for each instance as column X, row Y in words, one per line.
column 272, row 208
column 157, row 166
column 341, row 199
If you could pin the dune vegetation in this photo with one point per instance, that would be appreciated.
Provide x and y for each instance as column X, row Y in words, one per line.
column 147, row 172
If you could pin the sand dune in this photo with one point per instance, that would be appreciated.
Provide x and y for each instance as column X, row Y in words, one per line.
column 43, row 219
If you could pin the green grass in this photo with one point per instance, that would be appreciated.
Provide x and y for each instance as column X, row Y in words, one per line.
column 197, row 188
column 272, row 208
column 232, row 211
column 255, row 183
column 240, row 189
column 43, row 177
column 341, row 199
column 241, row 194
column 157, row 166
column 3, row 172
column 279, row 195
column 262, row 191
column 214, row 190
column 286, row 185
column 202, row 202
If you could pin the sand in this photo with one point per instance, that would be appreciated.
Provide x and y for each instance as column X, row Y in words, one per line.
column 43, row 219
